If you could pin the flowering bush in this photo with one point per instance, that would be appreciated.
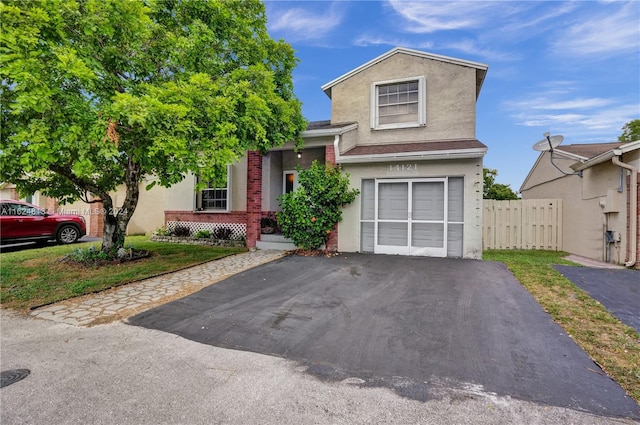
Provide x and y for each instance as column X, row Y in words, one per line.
column 309, row 213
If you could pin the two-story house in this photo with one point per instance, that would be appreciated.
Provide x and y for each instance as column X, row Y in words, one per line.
column 403, row 125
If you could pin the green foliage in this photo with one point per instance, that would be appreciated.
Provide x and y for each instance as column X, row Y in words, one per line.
column 630, row 132
column 269, row 221
column 163, row 231
column 202, row 234
column 92, row 256
column 87, row 255
column 223, row 233
column 493, row 190
column 310, row 212
column 181, row 231
column 99, row 93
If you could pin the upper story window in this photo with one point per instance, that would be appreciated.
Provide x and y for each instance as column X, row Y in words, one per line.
column 398, row 103
column 215, row 197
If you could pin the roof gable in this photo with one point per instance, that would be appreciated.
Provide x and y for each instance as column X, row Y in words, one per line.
column 481, row 69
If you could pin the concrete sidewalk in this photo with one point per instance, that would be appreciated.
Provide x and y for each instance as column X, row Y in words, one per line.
column 127, row 300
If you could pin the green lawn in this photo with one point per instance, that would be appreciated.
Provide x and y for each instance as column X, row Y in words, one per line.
column 610, row 343
column 34, row 277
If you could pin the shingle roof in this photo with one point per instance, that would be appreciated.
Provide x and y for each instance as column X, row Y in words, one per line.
column 326, row 125
column 589, row 150
column 415, row 147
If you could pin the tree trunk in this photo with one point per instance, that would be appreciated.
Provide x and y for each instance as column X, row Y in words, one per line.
column 116, row 220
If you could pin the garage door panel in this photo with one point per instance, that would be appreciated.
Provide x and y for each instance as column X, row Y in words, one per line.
column 393, row 234
column 428, row 201
column 455, row 201
column 367, row 236
column 454, row 240
column 427, row 235
column 393, row 201
column 422, row 216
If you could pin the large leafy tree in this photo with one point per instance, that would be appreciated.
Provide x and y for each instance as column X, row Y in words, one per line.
column 630, row 132
column 493, row 190
column 100, row 93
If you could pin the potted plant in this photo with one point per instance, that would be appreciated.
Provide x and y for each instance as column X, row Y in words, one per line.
column 268, row 224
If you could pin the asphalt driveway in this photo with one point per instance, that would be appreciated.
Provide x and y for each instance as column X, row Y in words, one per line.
column 411, row 324
column 618, row 290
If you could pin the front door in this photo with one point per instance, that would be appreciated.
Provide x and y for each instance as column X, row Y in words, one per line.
column 411, row 217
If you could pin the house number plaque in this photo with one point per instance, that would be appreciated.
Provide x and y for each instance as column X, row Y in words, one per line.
column 403, row 167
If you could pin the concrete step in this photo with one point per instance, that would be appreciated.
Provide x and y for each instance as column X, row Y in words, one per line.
column 273, row 237
column 275, row 241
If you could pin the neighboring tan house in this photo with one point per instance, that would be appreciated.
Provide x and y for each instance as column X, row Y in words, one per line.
column 404, row 127
column 600, row 197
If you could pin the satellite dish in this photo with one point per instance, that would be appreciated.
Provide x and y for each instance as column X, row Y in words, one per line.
column 548, row 143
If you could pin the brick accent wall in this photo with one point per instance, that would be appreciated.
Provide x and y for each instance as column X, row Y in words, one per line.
column 254, row 197
column 52, row 205
column 330, row 158
column 95, row 225
column 206, row 217
column 330, row 155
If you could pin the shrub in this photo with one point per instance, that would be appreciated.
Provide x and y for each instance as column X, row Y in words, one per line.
column 202, row 234
column 223, row 233
column 163, row 231
column 181, row 231
column 310, row 212
column 269, row 221
column 86, row 255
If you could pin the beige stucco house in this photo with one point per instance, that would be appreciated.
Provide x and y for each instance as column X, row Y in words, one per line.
column 403, row 125
column 598, row 184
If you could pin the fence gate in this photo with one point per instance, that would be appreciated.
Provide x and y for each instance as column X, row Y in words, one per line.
column 522, row 224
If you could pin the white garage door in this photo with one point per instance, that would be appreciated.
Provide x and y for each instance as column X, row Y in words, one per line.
column 413, row 216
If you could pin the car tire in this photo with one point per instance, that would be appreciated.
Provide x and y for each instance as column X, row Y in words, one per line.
column 68, row 234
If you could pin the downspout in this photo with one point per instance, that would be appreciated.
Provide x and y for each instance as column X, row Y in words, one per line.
column 336, row 147
column 633, row 206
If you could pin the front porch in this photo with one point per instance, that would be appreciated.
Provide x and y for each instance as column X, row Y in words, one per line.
column 267, row 177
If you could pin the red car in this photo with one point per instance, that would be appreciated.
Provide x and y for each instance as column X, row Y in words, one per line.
column 24, row 222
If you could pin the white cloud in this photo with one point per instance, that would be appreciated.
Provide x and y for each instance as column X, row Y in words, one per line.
column 604, row 34
column 471, row 47
column 557, row 108
column 428, row 17
column 305, row 24
column 377, row 40
column 534, row 24
column 556, row 104
column 602, row 125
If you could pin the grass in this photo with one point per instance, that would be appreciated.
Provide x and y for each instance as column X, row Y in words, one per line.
column 35, row 277
column 614, row 346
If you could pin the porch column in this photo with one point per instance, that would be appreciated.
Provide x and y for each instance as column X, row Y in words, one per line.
column 330, row 158
column 254, row 197
column 95, row 224
column 52, row 205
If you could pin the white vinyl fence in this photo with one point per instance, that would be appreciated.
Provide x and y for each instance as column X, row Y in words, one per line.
column 522, row 224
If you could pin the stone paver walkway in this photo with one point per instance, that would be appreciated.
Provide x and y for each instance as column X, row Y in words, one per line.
column 124, row 301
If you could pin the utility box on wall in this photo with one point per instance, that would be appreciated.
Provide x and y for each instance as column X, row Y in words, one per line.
column 612, row 201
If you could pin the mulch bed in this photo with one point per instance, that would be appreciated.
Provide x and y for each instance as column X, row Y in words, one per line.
column 313, row 253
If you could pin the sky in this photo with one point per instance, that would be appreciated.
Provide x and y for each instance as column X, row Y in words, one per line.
column 571, row 68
